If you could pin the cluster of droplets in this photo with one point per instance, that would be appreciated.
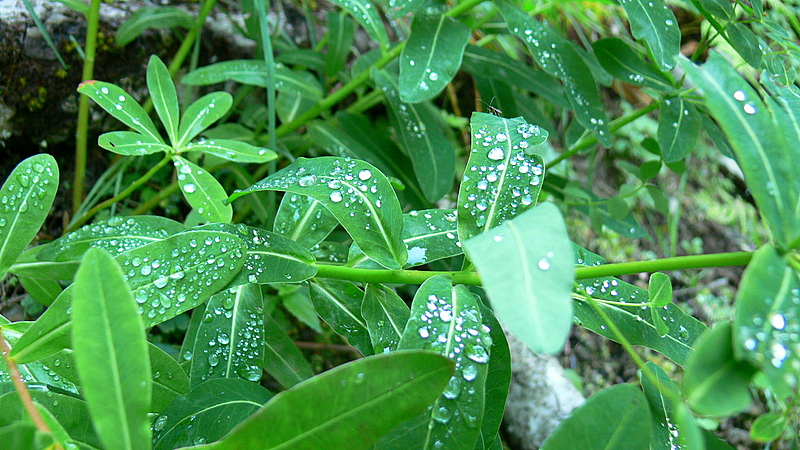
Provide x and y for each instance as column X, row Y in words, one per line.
column 774, row 338
column 27, row 188
column 170, row 279
column 408, row 120
column 38, row 373
column 430, row 235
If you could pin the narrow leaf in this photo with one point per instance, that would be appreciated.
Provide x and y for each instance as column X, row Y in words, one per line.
column 526, row 266
column 282, row 359
column 652, row 21
column 664, row 429
column 131, row 144
column 165, row 98
column 121, row 106
column 679, row 127
column 202, row 114
column 25, row 201
column 253, row 72
column 202, row 191
column 233, row 150
column 341, row 32
column 622, row 62
column 385, row 314
column 157, row 17
column 356, row 193
column 111, row 353
column 431, row 56
column 367, row 15
column 304, row 220
column 338, row 303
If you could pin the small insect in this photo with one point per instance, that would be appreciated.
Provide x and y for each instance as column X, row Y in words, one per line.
column 492, row 110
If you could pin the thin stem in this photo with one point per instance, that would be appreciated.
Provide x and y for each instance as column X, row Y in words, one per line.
column 22, row 388
column 392, row 276
column 82, row 132
column 128, row 191
column 673, row 263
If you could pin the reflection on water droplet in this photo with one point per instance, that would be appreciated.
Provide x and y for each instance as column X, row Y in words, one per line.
column 470, row 372
column 159, row 423
column 336, row 197
column 307, row 180
column 189, row 188
column 778, row 321
column 441, row 414
column 544, row 264
column 740, row 95
column 495, row 154
column 749, row 108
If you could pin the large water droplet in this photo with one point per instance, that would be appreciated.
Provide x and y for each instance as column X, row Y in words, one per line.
column 190, row 188
column 495, row 154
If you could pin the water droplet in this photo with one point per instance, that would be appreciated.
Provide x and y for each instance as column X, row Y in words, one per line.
column 364, row 175
column 189, row 188
column 160, row 422
column 424, row 333
column 778, row 321
column 469, row 372
column 749, row 108
column 544, row 264
column 496, row 154
column 336, row 197
column 308, row 180
column 479, row 354
column 740, row 95
column 441, row 414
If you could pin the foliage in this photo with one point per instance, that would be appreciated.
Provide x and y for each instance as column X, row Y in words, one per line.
column 371, row 217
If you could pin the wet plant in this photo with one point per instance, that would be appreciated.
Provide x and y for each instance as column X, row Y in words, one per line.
column 359, row 212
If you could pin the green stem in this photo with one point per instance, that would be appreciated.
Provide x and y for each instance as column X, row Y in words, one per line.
column 128, row 191
column 590, row 140
column 392, row 276
column 82, row 132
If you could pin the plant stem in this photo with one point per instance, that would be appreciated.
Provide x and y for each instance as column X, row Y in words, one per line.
column 82, row 132
column 22, row 388
column 128, row 191
column 391, row 276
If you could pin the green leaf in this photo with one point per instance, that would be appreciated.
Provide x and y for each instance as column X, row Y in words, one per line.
column 627, row 306
column 660, row 289
column 766, row 320
column 363, row 400
column 121, row 106
column 398, row 8
column 622, row 62
column 422, row 134
column 480, row 61
column 25, row 200
column 526, row 266
column 202, row 114
column 664, row 429
column 745, row 42
column 768, row 427
column 431, row 56
column 270, row 257
column 341, row 32
column 202, row 191
column 498, row 380
column 282, row 359
column 157, row 17
column 304, row 220
column 43, row 291
column 39, row 373
column 367, row 15
column 502, row 179
column 338, row 303
column 616, row 417
column 356, row 193
column 679, row 127
column 115, row 235
column 194, row 418
column 652, row 21
column 290, row 105
column 720, row 8
column 111, row 353
column 232, row 150
column 228, row 340
column 766, row 151
column 385, row 315
column 254, row 72
column 715, row 383
column 49, row 334
column 447, row 319
column 130, row 143
column 556, row 56
column 164, row 96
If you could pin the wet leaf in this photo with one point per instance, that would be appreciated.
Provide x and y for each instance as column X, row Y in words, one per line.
column 304, row 220
column 282, row 359
column 664, row 429
column 679, row 127
column 502, row 179
column 230, row 338
column 164, row 96
column 131, row 144
column 768, row 427
column 367, row 15
column 364, row 400
column 653, row 22
column 498, row 380
column 338, row 303
column 38, row 373
column 28, row 266
column 745, row 42
column 356, row 193
column 157, row 17
column 431, row 56
column 624, row 63
column 385, row 315
column 715, row 383
column 526, row 266
column 447, row 319
column 111, row 353
column 121, row 106
column 615, row 417
column 422, row 135
column 254, row 72
column 202, row 191
column 556, row 56
column 660, row 290
column 232, row 150
column 25, row 200
column 341, row 32
column 202, row 114
column 115, row 235
column 194, row 418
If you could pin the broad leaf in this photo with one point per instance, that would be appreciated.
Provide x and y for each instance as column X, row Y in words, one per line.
column 202, row 191
column 431, row 56
column 230, row 339
column 304, row 220
column 202, row 114
column 556, row 56
column 144, row 18
column 115, row 235
column 194, row 418
column 660, row 289
column 232, row 150
column 715, row 383
column 165, row 98
column 385, row 315
column 678, row 128
column 422, row 135
column 616, row 417
column 526, row 266
column 25, row 201
column 502, row 179
column 652, row 21
column 447, row 319
column 282, row 359
column 622, row 62
column 122, row 106
column 367, row 15
column 356, row 193
column 363, row 400
column 338, row 303
column 744, row 41
column 129, row 143
column 111, row 353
